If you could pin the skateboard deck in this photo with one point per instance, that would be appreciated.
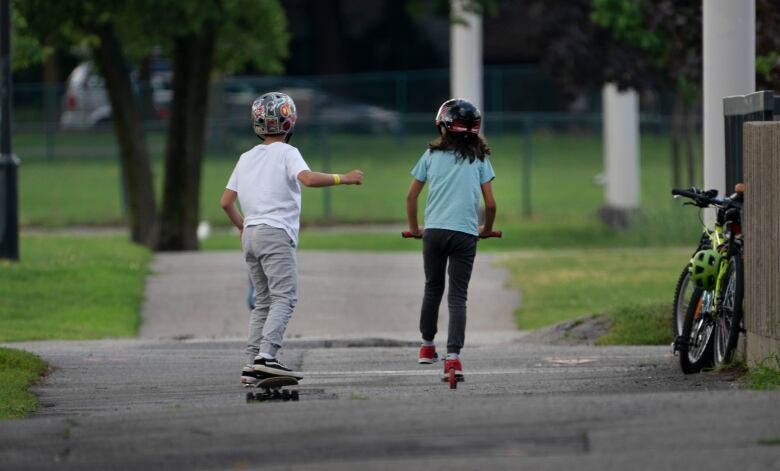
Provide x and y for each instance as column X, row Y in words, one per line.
column 270, row 389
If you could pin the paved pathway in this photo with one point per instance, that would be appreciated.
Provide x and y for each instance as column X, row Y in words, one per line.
column 162, row 403
column 341, row 294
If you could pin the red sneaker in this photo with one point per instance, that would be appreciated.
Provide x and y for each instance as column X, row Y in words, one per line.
column 428, row 354
column 452, row 363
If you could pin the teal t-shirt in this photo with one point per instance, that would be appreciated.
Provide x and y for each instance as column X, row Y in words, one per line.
column 454, row 189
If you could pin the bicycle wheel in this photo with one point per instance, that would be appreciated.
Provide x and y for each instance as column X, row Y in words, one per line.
column 682, row 294
column 696, row 342
column 729, row 319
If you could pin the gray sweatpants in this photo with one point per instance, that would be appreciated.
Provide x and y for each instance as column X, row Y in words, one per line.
column 270, row 255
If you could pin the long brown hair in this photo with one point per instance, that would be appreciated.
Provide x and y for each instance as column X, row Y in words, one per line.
column 465, row 145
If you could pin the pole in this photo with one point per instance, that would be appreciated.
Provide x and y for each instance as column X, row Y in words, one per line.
column 621, row 149
column 729, row 66
column 9, row 216
column 527, row 155
column 466, row 54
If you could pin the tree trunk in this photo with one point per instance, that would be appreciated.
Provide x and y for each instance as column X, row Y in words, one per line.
column 192, row 62
column 137, row 181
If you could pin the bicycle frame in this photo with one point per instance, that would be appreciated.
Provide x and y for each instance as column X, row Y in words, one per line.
column 722, row 243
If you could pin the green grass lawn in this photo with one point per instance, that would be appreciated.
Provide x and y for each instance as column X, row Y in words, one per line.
column 633, row 286
column 64, row 288
column 564, row 198
column 72, row 288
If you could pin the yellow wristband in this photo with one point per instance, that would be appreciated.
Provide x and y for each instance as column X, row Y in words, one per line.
column 336, row 179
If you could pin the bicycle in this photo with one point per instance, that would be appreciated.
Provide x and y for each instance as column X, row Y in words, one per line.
column 712, row 322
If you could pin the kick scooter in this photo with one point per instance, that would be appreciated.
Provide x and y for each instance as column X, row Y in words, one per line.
column 452, row 379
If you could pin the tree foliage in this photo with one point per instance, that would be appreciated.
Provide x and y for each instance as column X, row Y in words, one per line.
column 28, row 50
column 768, row 45
column 199, row 38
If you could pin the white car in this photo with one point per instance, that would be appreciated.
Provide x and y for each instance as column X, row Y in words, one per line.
column 86, row 103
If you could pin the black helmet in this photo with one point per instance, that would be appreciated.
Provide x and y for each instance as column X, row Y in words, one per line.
column 458, row 115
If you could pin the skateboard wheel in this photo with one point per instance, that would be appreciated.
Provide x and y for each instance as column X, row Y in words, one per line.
column 294, row 395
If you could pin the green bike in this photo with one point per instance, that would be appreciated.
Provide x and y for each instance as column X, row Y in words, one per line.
column 713, row 318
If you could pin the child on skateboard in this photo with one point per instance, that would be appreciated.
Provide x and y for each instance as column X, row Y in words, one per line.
column 267, row 183
column 457, row 170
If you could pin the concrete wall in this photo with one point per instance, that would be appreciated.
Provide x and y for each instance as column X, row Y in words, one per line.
column 762, row 239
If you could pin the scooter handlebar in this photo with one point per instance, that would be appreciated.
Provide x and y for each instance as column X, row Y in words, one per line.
column 409, row 235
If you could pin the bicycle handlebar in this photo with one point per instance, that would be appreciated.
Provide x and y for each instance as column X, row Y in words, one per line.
column 409, row 235
column 702, row 199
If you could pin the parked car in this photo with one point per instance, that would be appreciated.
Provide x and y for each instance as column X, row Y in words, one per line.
column 86, row 103
column 341, row 114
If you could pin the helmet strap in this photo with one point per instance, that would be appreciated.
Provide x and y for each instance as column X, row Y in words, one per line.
column 288, row 137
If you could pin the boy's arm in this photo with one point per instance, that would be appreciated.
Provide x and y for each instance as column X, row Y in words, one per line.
column 490, row 209
column 227, row 202
column 411, row 206
column 317, row 179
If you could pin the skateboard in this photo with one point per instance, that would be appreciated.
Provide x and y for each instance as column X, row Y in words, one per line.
column 452, row 379
column 271, row 390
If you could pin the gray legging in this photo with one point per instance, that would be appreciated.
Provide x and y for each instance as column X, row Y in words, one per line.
column 441, row 246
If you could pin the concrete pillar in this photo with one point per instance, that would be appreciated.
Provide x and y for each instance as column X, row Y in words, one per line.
column 621, row 154
column 762, row 248
column 729, row 48
column 466, row 55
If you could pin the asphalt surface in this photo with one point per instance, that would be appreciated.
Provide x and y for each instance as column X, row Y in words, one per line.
column 341, row 294
column 163, row 403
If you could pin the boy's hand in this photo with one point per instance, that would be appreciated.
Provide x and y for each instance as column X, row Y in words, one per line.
column 355, row 177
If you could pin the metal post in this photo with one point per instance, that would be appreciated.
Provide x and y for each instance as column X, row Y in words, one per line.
column 527, row 213
column 324, row 149
column 49, row 118
column 327, row 201
column 401, row 97
column 9, row 216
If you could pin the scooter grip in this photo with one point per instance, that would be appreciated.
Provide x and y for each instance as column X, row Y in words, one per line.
column 409, row 235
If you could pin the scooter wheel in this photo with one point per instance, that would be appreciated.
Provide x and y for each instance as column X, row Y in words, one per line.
column 453, row 379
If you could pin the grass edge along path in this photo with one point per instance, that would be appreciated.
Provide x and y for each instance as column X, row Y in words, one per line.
column 64, row 288
column 633, row 286
column 18, row 371
column 766, row 374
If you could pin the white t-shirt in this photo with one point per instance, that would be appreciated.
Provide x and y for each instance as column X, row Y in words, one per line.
column 266, row 180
